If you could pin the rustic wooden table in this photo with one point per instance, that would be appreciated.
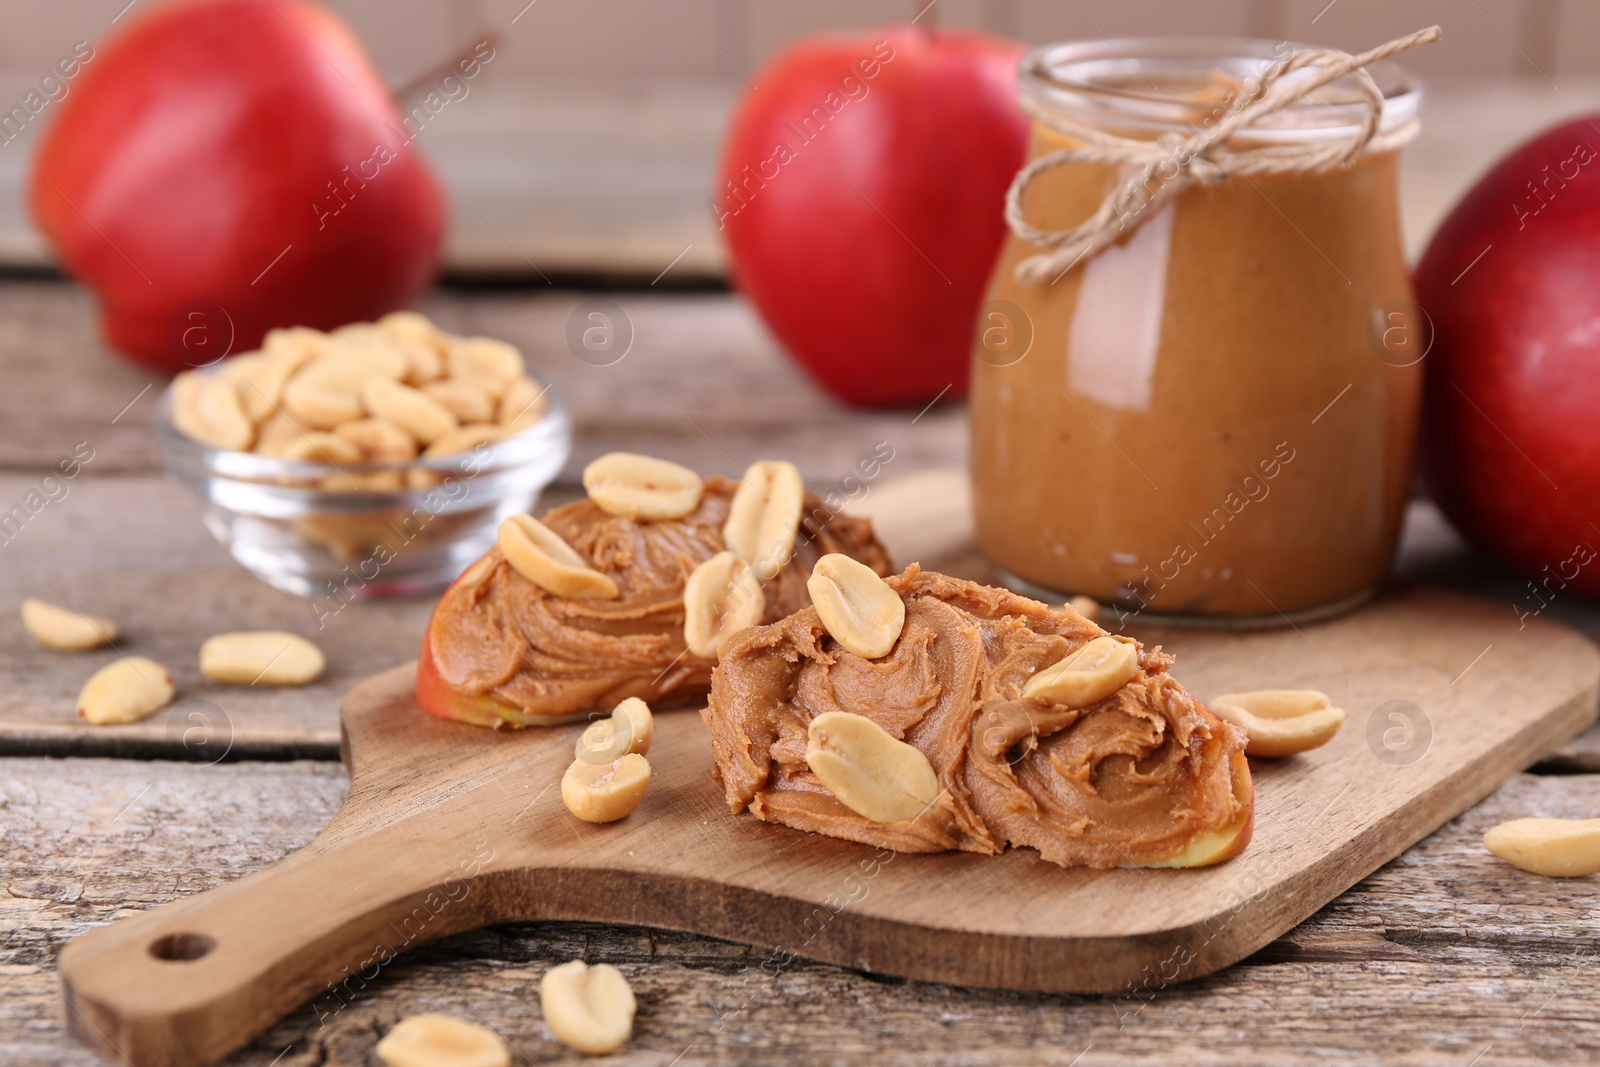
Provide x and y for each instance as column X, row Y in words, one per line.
column 1445, row 955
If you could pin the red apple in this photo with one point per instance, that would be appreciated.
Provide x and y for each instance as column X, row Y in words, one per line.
column 863, row 184
column 222, row 167
column 1511, row 282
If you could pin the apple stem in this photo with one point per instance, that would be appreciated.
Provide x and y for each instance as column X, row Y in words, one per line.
column 432, row 75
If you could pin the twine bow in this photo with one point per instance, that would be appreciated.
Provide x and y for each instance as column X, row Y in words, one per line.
column 1173, row 162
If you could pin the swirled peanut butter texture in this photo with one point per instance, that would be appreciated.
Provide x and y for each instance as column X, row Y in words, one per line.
column 1143, row 776
column 512, row 653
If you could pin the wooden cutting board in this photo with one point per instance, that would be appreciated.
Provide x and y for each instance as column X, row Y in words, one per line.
column 449, row 827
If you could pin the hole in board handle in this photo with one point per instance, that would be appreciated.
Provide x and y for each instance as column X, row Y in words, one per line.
column 181, row 947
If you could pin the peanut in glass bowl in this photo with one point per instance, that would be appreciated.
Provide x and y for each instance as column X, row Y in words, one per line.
column 291, row 525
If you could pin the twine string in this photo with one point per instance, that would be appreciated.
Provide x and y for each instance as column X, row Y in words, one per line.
column 1173, row 162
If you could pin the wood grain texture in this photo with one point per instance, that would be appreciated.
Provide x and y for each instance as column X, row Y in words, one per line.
column 1441, row 953
column 450, row 827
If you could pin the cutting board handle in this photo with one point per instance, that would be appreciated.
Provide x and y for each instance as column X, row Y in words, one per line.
column 185, row 983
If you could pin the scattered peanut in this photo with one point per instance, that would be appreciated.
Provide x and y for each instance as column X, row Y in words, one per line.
column 125, row 691
column 540, row 555
column 65, row 629
column 261, row 657
column 642, row 487
column 856, row 606
column 589, row 1008
column 630, row 728
column 721, row 597
column 605, row 792
column 1280, row 722
column 1086, row 676
column 434, row 1040
column 869, row 772
column 412, row 410
column 1557, row 848
column 764, row 516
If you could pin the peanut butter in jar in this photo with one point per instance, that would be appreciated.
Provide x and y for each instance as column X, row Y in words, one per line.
column 1213, row 417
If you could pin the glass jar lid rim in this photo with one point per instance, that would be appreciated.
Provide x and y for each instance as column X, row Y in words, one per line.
column 1098, row 82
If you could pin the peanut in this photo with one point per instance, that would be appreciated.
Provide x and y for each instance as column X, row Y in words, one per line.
column 764, row 516
column 320, row 446
column 464, row 439
column 65, row 629
column 540, row 555
column 1087, row 606
column 320, row 408
column 412, row 410
column 523, row 404
column 1086, row 676
column 856, row 606
column 641, row 487
column 589, row 1008
column 261, row 657
column 462, row 399
column 721, row 597
column 380, row 440
column 605, row 792
column 277, row 433
column 207, row 409
column 434, row 1040
column 1556, row 848
column 868, row 771
column 1280, row 722
column 125, row 691
column 491, row 365
column 630, row 728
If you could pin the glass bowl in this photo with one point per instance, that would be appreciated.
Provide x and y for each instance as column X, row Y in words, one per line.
column 321, row 530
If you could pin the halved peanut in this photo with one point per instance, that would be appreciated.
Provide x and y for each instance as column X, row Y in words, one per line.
column 856, row 606
column 65, row 629
column 412, row 410
column 588, row 1008
column 278, row 433
column 260, row 378
column 319, row 446
column 605, row 792
column 464, row 439
column 642, row 487
column 1557, row 848
column 125, row 691
column 261, row 657
column 207, row 409
column 462, row 399
column 523, row 404
column 630, row 728
column 320, row 408
column 1280, row 722
column 434, row 1040
column 300, row 344
column 1086, row 676
column 868, row 771
column 764, row 515
column 1087, row 606
column 540, row 555
column 721, row 597
column 380, row 440
column 490, row 364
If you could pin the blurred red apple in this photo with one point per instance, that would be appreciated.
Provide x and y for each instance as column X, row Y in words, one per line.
column 222, row 167
column 1511, row 281
column 863, row 184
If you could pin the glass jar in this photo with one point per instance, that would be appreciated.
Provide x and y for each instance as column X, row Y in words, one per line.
column 1213, row 418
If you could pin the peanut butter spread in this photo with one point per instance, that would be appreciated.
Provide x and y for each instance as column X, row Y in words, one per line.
column 517, row 654
column 1133, row 779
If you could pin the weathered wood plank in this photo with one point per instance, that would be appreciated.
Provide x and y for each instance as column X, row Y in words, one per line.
column 1440, row 954
column 703, row 383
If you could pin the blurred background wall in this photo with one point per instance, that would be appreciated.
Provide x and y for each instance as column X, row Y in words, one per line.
column 586, row 149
